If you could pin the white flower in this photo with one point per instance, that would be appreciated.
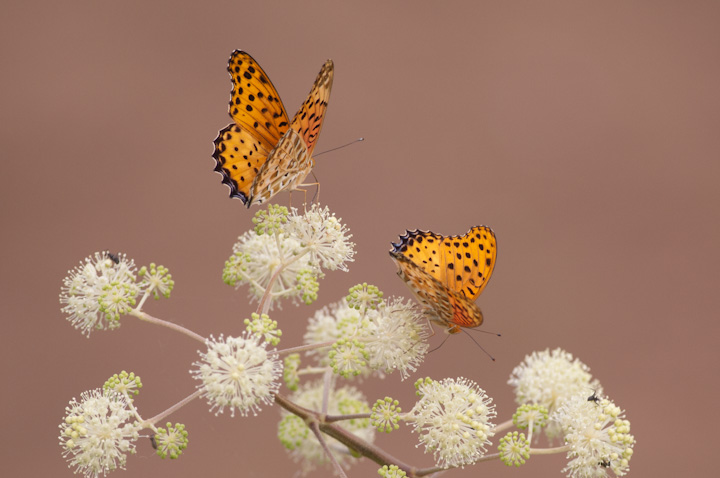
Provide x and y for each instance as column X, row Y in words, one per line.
column 302, row 444
column 323, row 235
column 98, row 432
column 331, row 323
column 100, row 290
column 598, row 435
column 453, row 420
column 257, row 258
column 238, row 373
column 395, row 337
column 549, row 378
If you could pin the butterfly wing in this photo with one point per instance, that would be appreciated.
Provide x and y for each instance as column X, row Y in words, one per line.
column 445, row 307
column 469, row 260
column 260, row 120
column 309, row 118
column 461, row 264
column 254, row 102
column 289, row 163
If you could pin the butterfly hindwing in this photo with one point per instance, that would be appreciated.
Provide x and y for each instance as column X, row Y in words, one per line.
column 286, row 167
column 239, row 155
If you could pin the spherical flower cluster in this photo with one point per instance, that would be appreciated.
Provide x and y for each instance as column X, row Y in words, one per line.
column 549, row 378
column 388, row 338
column 514, row 449
column 330, row 324
column 395, row 336
column 598, row 435
column 128, row 384
column 283, row 256
column 364, row 296
column 305, row 448
column 97, row 292
column 530, row 416
column 263, row 326
column 453, row 420
column 257, row 259
column 323, row 235
column 270, row 221
column 385, row 415
column 170, row 441
column 238, row 373
column 98, row 432
column 156, row 280
column 348, row 358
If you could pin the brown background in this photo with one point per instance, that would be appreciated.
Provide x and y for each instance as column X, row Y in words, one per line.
column 584, row 133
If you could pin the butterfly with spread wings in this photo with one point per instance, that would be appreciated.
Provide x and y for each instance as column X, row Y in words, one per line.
column 261, row 152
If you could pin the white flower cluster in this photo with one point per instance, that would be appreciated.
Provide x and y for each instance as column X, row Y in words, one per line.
column 548, row 378
column 97, row 292
column 98, row 432
column 594, row 429
column 238, row 373
column 453, row 420
column 390, row 337
column 598, row 435
column 286, row 253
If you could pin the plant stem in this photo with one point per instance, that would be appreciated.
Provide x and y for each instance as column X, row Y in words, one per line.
column 175, row 407
column 170, row 325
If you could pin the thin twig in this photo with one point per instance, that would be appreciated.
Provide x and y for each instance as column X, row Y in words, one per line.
column 314, row 427
column 303, row 348
column 338, row 418
column 144, row 316
column 178, row 405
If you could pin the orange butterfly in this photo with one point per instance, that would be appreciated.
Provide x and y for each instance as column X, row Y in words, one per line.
column 447, row 274
column 262, row 153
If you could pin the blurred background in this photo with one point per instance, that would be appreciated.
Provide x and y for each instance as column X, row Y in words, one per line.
column 584, row 133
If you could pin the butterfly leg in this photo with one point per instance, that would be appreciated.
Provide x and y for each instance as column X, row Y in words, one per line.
column 304, row 196
column 316, row 196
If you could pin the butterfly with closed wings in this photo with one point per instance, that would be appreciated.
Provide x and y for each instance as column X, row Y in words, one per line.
column 261, row 152
column 447, row 274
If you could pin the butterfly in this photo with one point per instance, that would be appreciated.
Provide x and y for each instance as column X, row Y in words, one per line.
column 261, row 152
column 447, row 274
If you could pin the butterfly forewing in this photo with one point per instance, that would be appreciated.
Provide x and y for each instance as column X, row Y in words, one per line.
column 309, row 118
column 254, row 102
column 469, row 260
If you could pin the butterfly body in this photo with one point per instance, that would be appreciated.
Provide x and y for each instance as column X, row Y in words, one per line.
column 447, row 274
column 262, row 152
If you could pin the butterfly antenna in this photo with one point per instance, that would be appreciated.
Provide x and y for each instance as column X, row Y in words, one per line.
column 339, row 147
column 441, row 344
column 485, row 332
column 478, row 344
